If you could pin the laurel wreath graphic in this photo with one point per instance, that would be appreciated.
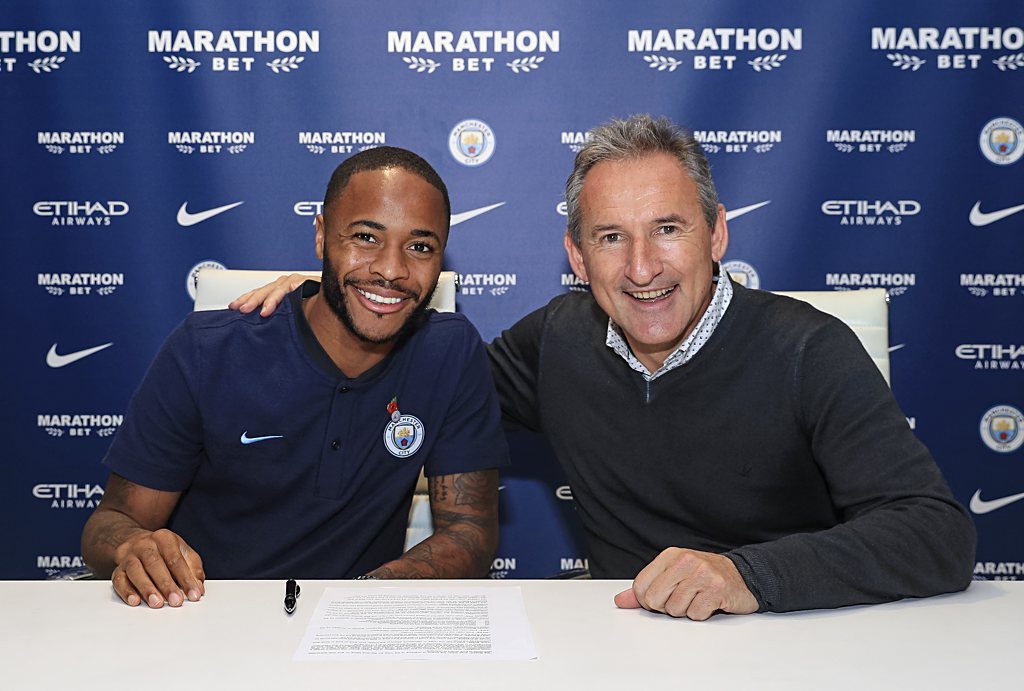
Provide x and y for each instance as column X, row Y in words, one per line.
column 905, row 62
column 106, row 148
column 180, row 64
column 977, row 292
column 845, row 148
column 54, row 290
column 54, row 149
column 106, row 290
column 662, row 62
column 841, row 288
column 421, row 64
column 896, row 292
column 763, row 148
column 46, row 64
column 500, row 290
column 580, row 289
column 369, row 146
column 105, row 431
column 1009, row 62
column 315, row 149
column 525, row 65
column 575, row 148
column 285, row 64
column 184, row 148
column 767, row 62
column 237, row 148
column 54, row 431
column 896, row 148
column 711, row 148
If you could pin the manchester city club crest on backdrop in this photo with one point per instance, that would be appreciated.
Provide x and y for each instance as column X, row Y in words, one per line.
column 471, row 142
column 403, row 435
column 1001, row 428
column 1000, row 141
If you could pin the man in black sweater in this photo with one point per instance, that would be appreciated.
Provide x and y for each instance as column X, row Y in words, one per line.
column 728, row 449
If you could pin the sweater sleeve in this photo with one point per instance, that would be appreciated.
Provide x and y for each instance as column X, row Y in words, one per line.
column 515, row 363
column 900, row 532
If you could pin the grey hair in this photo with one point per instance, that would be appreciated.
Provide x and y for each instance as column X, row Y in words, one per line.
column 633, row 138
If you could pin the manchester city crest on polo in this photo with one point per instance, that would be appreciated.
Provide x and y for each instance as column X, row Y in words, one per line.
column 1002, row 428
column 403, row 435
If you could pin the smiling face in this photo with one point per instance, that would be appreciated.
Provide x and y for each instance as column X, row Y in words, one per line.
column 647, row 251
column 381, row 241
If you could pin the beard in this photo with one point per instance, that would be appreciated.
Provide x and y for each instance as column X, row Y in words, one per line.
column 337, row 300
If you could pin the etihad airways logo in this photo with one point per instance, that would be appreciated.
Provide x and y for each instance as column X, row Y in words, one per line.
column 234, row 51
column 211, row 141
column 992, row 356
column 80, row 213
column 867, row 212
column 81, row 142
column 79, row 425
column 53, row 45
column 871, row 141
column 738, row 141
column 58, row 284
column 993, row 285
column 492, row 284
column 341, row 142
column 980, row 219
column 69, row 496
column 894, row 283
column 953, row 47
column 482, row 50
column 715, row 48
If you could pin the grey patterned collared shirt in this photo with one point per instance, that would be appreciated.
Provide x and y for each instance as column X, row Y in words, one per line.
column 691, row 345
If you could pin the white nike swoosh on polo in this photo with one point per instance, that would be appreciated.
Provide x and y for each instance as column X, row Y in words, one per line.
column 979, row 505
column 979, row 218
column 54, row 359
column 466, row 215
column 736, row 213
column 186, row 219
column 246, row 439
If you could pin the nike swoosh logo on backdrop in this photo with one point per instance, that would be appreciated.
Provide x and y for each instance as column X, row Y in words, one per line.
column 186, row 219
column 893, row 349
column 979, row 505
column 736, row 213
column 246, row 439
column 466, row 215
column 53, row 359
column 979, row 218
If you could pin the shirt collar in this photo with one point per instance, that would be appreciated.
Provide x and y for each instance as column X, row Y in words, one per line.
column 691, row 345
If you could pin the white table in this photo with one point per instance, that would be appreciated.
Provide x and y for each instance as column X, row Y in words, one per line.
column 77, row 635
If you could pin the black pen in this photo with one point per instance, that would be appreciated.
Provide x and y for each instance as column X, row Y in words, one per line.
column 291, row 594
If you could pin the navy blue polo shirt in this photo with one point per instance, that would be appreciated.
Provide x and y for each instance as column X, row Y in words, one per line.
column 288, row 468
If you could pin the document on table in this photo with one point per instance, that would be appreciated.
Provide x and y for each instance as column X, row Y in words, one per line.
column 418, row 624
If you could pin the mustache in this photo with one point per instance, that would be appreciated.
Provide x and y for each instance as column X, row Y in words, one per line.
column 386, row 285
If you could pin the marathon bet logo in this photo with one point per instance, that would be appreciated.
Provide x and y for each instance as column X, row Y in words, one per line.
column 54, row 562
column 871, row 141
column 234, row 51
column 867, row 212
column 501, row 567
column 894, row 284
column 81, row 283
column 951, row 47
column 211, row 141
column 994, row 285
column 992, row 356
column 571, row 563
column 80, row 142
column 69, row 496
column 998, row 570
column 494, row 284
column 738, row 141
column 715, row 48
column 341, row 142
column 79, row 424
column 53, row 47
column 80, row 213
column 575, row 140
column 473, row 51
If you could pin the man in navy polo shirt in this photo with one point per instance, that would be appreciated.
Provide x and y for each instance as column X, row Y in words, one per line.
column 289, row 446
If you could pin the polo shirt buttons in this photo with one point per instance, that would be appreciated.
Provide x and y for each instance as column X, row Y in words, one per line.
column 335, row 445
column 343, row 389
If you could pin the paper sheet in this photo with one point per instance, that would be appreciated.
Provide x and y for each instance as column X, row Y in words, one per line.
column 399, row 623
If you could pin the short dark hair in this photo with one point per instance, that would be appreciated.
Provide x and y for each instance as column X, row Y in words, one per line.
column 382, row 158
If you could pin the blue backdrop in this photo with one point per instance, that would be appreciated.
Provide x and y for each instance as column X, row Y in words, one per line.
column 862, row 144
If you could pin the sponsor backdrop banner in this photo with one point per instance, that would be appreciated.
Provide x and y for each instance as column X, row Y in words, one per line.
column 857, row 145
